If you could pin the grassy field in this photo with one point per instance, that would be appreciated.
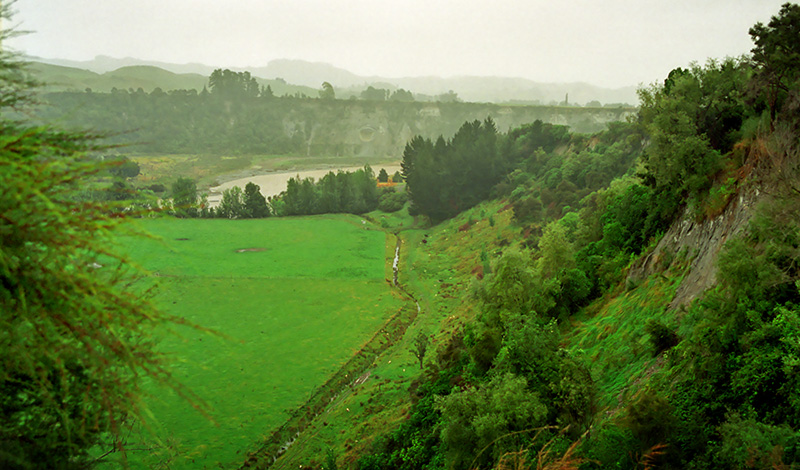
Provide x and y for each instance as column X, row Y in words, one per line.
column 295, row 297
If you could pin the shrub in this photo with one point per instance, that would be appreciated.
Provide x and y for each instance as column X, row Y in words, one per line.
column 661, row 337
column 750, row 444
column 392, row 201
column 650, row 419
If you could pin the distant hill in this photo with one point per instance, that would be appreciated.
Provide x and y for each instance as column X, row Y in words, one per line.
column 307, row 77
column 102, row 64
column 146, row 77
column 469, row 88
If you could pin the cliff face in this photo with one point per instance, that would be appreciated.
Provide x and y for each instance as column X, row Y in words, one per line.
column 384, row 128
column 700, row 242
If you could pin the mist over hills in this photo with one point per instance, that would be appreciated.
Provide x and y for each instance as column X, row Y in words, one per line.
column 104, row 71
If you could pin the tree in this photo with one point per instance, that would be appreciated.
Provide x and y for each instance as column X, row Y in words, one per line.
column 255, row 204
column 374, row 94
column 266, row 92
column 420, row 347
column 232, row 204
column 124, row 167
column 692, row 119
column 449, row 97
column 233, row 85
column 327, row 92
column 444, row 178
column 76, row 340
column 383, row 176
column 184, row 197
column 402, row 95
column 776, row 54
column 474, row 419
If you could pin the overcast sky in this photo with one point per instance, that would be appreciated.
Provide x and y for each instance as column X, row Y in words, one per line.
column 610, row 43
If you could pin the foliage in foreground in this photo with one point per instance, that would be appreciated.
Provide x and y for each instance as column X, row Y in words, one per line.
column 75, row 329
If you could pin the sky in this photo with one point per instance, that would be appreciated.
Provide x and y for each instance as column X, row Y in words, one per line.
column 610, row 43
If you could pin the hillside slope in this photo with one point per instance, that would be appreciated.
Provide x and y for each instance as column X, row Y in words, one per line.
column 626, row 300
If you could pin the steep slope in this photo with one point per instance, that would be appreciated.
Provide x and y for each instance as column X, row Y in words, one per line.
column 699, row 241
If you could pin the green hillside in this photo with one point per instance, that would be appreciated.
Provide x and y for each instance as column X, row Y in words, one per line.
column 149, row 78
column 650, row 321
column 58, row 78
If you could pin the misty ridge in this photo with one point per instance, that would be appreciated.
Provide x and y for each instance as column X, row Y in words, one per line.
column 286, row 76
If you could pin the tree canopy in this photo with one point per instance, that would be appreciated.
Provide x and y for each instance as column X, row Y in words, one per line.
column 447, row 177
column 776, row 54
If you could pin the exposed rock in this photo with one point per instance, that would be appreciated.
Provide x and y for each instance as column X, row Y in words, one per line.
column 700, row 242
column 384, row 128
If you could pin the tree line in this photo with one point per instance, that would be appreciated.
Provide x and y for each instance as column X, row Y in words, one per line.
column 336, row 192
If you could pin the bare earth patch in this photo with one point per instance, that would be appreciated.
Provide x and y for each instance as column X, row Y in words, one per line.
column 245, row 250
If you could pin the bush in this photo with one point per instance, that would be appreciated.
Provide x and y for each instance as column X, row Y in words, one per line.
column 661, row 337
column 750, row 444
column 392, row 201
column 609, row 446
column 650, row 419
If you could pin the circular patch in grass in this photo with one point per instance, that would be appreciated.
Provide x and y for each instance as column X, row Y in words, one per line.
column 366, row 134
column 246, row 250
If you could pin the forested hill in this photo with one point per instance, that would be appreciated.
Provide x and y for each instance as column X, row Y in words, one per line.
column 247, row 120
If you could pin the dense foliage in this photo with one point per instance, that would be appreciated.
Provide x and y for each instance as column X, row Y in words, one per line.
column 351, row 192
column 726, row 395
column 233, row 117
column 447, row 177
column 76, row 330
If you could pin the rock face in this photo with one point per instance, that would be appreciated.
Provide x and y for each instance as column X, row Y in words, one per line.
column 700, row 242
column 383, row 128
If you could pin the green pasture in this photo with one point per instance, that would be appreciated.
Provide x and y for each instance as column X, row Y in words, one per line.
column 318, row 247
column 302, row 298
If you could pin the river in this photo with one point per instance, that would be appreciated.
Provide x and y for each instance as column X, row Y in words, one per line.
column 272, row 184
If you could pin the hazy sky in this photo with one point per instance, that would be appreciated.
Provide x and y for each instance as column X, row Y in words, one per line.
column 603, row 42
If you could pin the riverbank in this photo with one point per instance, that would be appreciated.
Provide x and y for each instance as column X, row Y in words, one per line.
column 273, row 183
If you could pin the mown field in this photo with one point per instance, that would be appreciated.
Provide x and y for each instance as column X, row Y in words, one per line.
column 295, row 298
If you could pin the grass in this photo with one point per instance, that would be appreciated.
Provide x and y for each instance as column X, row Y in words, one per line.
column 291, row 314
column 438, row 272
column 613, row 341
column 318, row 247
column 393, row 221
